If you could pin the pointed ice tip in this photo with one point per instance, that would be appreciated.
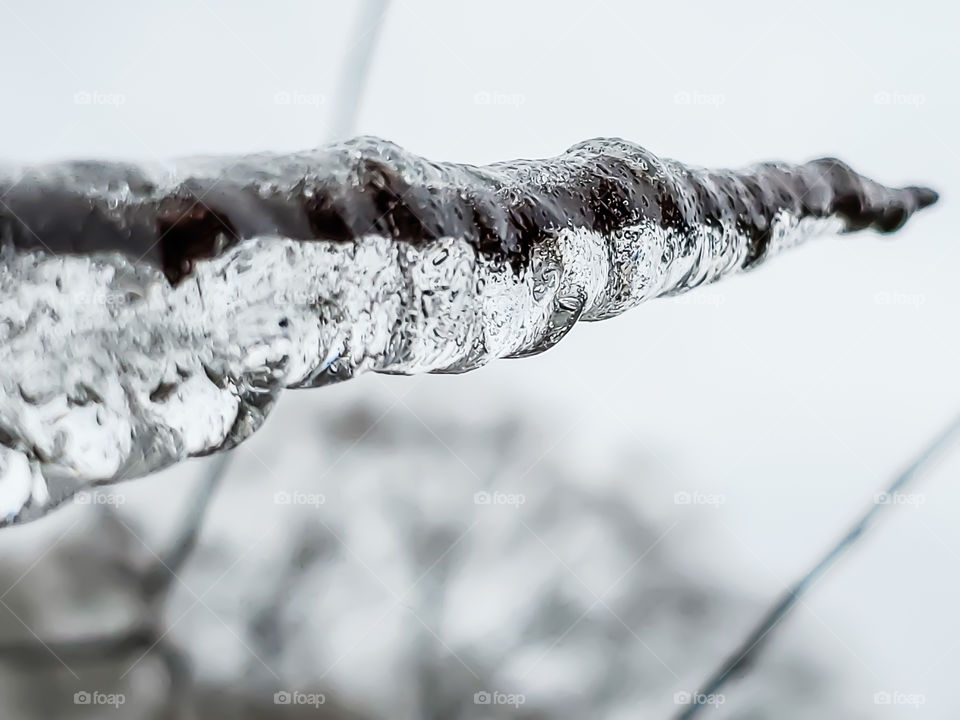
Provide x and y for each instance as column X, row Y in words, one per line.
column 924, row 196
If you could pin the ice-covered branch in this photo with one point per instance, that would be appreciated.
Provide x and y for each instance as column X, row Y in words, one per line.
column 149, row 314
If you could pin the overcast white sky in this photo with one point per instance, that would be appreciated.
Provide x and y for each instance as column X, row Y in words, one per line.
column 794, row 391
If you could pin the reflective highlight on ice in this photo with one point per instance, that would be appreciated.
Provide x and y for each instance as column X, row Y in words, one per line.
column 111, row 373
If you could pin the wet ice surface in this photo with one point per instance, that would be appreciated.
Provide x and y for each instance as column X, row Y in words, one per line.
column 110, row 372
column 116, row 364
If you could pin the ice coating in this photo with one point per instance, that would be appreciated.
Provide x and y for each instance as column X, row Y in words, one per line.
column 152, row 314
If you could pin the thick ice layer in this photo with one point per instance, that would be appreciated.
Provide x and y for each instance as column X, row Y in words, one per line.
column 110, row 368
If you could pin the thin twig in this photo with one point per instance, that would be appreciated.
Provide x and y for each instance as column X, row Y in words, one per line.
column 356, row 68
column 158, row 578
column 746, row 652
